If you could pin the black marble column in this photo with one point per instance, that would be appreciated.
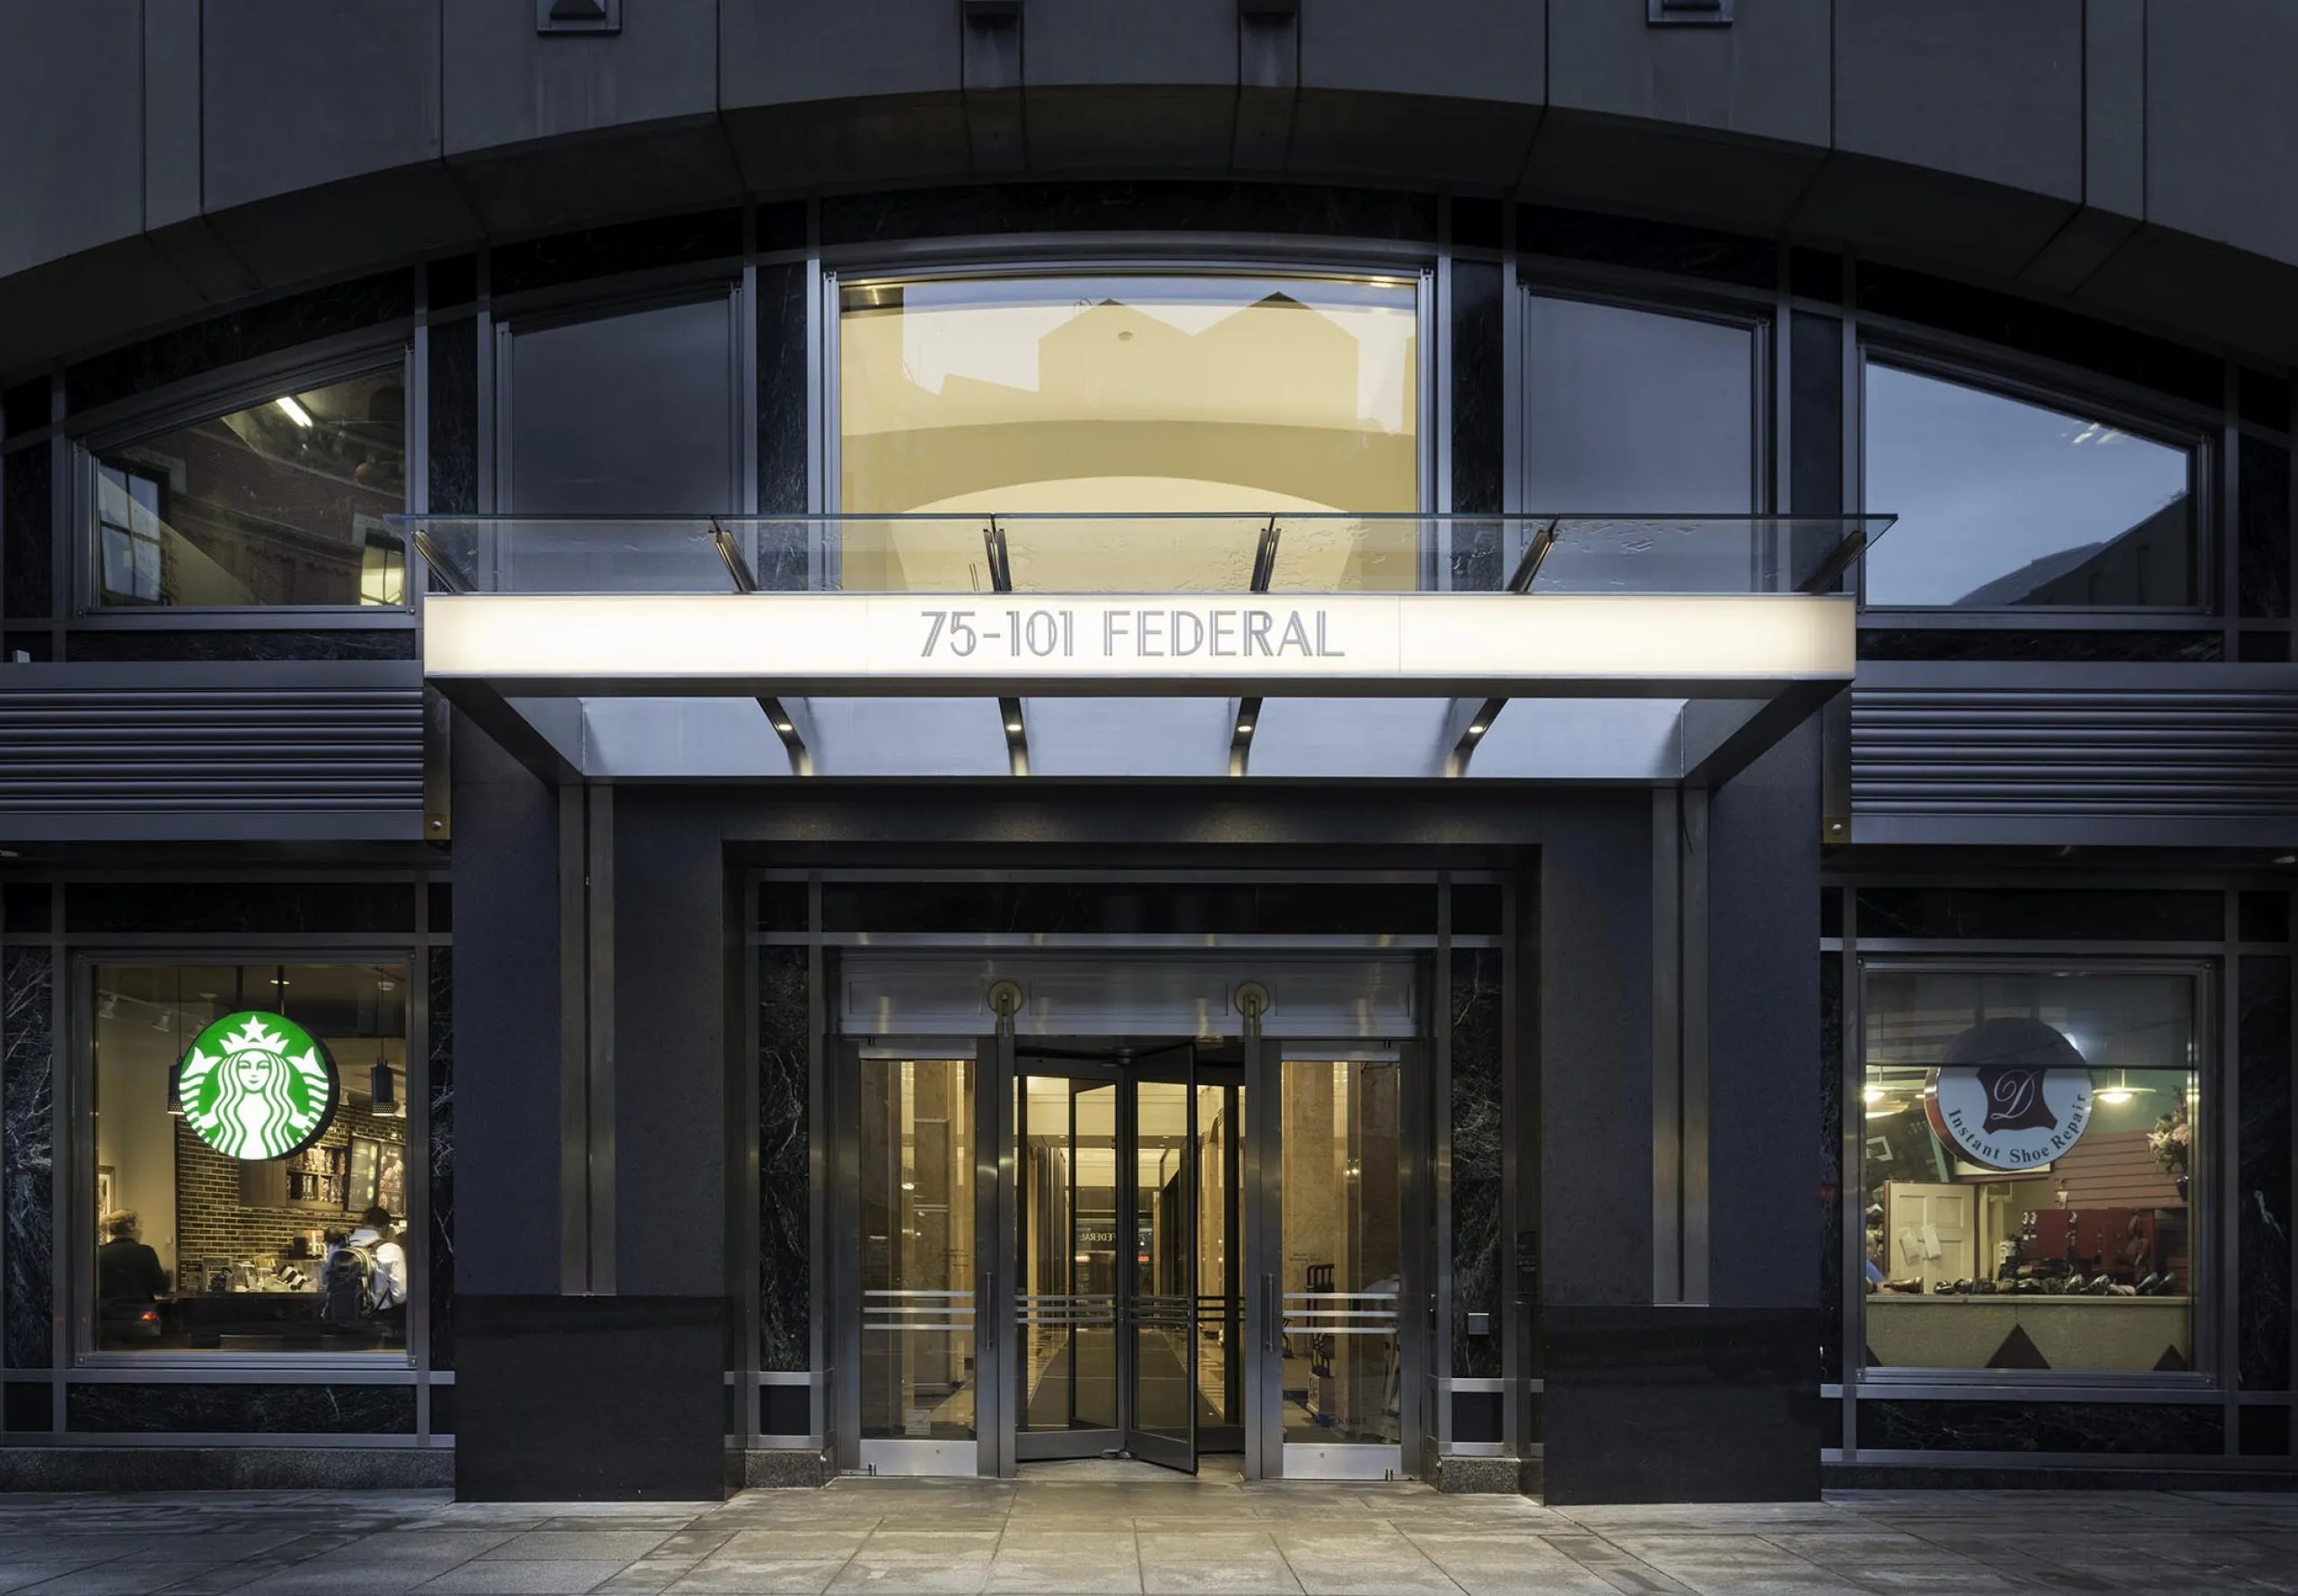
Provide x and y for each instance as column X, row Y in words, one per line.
column 782, row 290
column 27, row 1154
column 785, row 1252
column 1478, row 365
column 442, row 1157
column 1476, row 1157
column 454, row 417
column 27, row 576
column 2262, row 1228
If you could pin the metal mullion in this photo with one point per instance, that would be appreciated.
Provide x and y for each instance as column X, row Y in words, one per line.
column 416, row 1152
column 747, row 1174
column 2220, row 1064
column 1851, row 1178
column 1440, row 1184
column 823, row 1127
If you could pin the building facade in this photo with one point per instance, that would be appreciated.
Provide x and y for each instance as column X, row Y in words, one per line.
column 1547, row 746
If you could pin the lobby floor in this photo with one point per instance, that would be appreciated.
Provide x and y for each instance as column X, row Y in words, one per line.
column 1093, row 1528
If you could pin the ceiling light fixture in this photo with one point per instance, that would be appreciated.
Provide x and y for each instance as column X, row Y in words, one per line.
column 295, row 412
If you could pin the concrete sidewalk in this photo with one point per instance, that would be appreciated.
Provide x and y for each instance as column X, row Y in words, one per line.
column 1094, row 1528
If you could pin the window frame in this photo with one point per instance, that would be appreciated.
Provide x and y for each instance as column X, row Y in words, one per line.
column 398, row 1366
column 208, row 402
column 951, row 261
column 2206, row 1372
column 2162, row 421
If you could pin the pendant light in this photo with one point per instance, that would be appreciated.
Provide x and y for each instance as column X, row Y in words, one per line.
column 382, row 1095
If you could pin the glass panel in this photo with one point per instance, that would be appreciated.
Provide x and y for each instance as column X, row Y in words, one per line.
column 2033, row 1146
column 1342, row 1229
column 2003, row 503
column 1220, row 1301
column 198, row 1250
column 1067, row 1256
column 1127, row 393
column 1162, row 1240
column 917, row 1249
column 282, row 503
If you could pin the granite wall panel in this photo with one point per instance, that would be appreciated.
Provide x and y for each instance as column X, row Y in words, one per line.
column 27, row 536
column 785, row 1212
column 27, row 1155
column 367, row 642
column 1476, row 999
column 2262, row 1228
column 94, row 907
column 1478, row 380
column 782, row 442
column 453, row 401
column 2262, row 552
column 1831, row 1172
column 442, row 1044
column 2158, row 1428
column 1877, row 643
column 241, row 1410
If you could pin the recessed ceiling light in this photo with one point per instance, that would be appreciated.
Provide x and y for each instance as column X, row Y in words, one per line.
column 781, row 725
column 1476, row 729
column 295, row 412
column 1244, row 725
column 2279, row 858
column 1012, row 726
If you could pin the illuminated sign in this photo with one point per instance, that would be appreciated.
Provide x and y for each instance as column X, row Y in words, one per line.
column 2011, row 1094
column 1425, row 642
column 257, row 1085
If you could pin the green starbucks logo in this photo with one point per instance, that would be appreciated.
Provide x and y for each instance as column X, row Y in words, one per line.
column 256, row 1086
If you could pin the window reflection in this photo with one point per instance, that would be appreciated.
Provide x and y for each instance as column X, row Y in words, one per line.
column 280, row 503
column 2002, row 504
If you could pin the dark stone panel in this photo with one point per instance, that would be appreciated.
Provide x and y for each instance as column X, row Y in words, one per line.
column 1815, row 274
column 94, row 907
column 590, row 1398
column 2263, row 648
column 38, row 645
column 1647, row 246
column 2262, row 917
column 443, row 1410
column 1475, row 222
column 1475, row 998
column 2263, row 398
column 1815, row 435
column 443, row 907
column 785, row 1234
column 2041, row 330
column 782, row 225
column 782, row 905
column 331, row 1467
column 1478, row 909
column 243, row 335
column 2262, row 1431
column 26, row 534
column 2104, row 647
column 1087, row 207
column 373, row 643
column 1830, row 1168
column 1830, row 1421
column 451, row 282
column 2262, row 1229
column 782, row 442
column 1831, row 912
column 454, row 417
column 24, row 906
column 27, row 1155
column 442, row 1055
column 607, row 251
column 1682, row 1404
column 241, row 1410
column 2262, row 551
column 1477, row 1416
column 2142, row 1427
column 2043, row 913
column 1478, row 365
column 23, row 407
column 27, row 1408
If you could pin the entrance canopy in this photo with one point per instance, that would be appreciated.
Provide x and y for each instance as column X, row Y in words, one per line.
column 1620, row 648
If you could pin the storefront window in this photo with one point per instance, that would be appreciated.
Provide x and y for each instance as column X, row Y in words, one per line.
column 2033, row 1166
column 2003, row 504
column 280, row 503
column 253, row 1199
column 1182, row 396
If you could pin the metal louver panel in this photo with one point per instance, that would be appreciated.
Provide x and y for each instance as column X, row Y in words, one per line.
column 2162, row 755
column 198, row 750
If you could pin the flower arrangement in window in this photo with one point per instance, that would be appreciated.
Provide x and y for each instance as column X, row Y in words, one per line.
column 2170, row 1140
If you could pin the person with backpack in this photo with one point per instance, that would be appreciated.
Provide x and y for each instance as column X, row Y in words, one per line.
column 362, row 1283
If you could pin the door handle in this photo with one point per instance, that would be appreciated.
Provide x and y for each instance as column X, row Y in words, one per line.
column 1268, row 1327
column 985, row 1317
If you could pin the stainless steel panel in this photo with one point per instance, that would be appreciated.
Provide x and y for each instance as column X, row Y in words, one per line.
column 909, row 737
column 1129, row 736
column 1333, row 737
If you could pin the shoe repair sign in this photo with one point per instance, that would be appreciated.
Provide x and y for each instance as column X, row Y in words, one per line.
column 2008, row 1116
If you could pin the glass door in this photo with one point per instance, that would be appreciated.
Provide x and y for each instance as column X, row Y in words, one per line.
column 1338, row 1272
column 1065, row 1264
column 1158, row 1308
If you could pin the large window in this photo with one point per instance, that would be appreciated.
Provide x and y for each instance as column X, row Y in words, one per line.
column 1141, row 394
column 2034, row 1143
column 243, row 1206
column 280, row 503
column 2005, row 504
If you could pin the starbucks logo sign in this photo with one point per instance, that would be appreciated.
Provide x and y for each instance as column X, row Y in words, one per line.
column 257, row 1086
column 2009, row 1117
